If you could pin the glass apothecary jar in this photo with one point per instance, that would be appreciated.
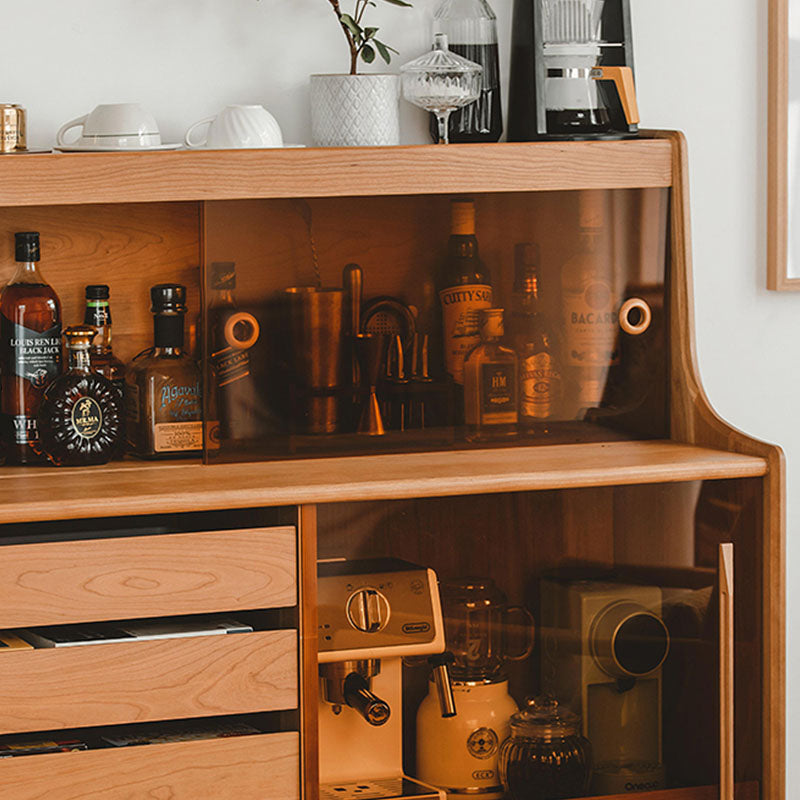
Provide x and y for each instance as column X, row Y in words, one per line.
column 546, row 758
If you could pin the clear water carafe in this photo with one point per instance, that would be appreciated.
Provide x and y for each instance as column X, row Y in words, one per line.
column 471, row 29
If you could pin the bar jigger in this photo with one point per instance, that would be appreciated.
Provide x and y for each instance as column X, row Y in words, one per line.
column 372, row 350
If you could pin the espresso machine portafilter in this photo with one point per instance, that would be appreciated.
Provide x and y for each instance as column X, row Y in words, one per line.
column 372, row 614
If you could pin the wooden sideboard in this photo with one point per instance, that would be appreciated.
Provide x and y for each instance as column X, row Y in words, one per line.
column 135, row 539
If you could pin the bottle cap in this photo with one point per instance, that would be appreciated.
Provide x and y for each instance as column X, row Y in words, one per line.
column 491, row 324
column 79, row 337
column 168, row 298
column 223, row 275
column 26, row 246
column 463, row 212
column 97, row 292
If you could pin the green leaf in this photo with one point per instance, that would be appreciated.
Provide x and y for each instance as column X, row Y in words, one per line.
column 351, row 25
column 399, row 3
column 385, row 51
column 369, row 33
column 367, row 54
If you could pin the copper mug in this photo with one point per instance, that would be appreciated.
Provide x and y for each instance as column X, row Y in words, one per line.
column 12, row 128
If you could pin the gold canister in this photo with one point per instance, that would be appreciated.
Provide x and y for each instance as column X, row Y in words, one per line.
column 12, row 128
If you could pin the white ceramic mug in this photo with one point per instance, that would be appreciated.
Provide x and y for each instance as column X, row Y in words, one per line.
column 237, row 127
column 123, row 125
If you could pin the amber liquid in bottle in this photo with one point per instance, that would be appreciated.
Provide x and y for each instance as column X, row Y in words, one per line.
column 465, row 288
column 490, row 383
column 81, row 418
column 533, row 337
column 163, row 393
column 30, row 351
column 98, row 315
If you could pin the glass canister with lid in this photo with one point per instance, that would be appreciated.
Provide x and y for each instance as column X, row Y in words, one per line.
column 546, row 757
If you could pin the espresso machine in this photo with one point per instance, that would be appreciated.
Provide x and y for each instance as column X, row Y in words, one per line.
column 461, row 754
column 572, row 70
column 603, row 647
column 372, row 614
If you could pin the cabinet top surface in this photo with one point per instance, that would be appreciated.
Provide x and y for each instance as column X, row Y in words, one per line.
column 128, row 488
column 67, row 179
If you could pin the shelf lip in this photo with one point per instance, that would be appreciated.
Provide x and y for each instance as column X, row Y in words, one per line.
column 130, row 488
column 195, row 175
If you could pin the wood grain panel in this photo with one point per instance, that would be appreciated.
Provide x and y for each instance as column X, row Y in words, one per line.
column 147, row 576
column 151, row 177
column 742, row 791
column 694, row 420
column 28, row 494
column 241, row 768
column 129, row 247
column 114, row 684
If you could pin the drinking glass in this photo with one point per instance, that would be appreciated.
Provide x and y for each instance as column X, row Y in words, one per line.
column 441, row 82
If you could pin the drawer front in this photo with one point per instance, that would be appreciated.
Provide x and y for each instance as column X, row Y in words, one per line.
column 147, row 576
column 241, row 768
column 112, row 684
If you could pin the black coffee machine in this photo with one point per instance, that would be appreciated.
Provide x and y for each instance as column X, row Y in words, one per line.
column 572, row 71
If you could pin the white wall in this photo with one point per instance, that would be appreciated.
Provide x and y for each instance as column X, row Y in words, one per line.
column 701, row 67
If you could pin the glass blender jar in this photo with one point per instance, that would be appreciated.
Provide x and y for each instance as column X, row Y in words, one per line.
column 461, row 754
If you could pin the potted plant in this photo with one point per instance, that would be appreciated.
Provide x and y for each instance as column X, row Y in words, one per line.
column 355, row 109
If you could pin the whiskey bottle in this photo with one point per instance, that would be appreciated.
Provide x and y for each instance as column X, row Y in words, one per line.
column 490, row 383
column 98, row 315
column 232, row 333
column 590, row 307
column 162, row 385
column 537, row 347
column 81, row 418
column 465, row 289
column 30, row 350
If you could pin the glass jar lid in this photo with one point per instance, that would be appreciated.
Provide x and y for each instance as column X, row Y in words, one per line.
column 544, row 718
column 441, row 61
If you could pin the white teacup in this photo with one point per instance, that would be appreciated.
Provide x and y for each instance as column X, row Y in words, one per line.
column 237, row 127
column 122, row 125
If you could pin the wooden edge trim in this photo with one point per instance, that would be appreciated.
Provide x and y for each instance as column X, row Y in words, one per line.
column 694, row 421
column 309, row 683
column 778, row 149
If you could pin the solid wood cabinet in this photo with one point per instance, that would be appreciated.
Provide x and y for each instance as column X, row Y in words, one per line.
column 650, row 505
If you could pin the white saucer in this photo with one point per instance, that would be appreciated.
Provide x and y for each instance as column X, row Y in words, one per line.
column 94, row 148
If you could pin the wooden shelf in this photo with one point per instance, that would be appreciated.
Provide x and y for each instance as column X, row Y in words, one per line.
column 38, row 494
column 79, row 178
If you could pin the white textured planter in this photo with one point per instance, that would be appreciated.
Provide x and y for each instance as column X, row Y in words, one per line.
column 355, row 110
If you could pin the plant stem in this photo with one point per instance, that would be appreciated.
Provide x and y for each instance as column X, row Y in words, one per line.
column 350, row 41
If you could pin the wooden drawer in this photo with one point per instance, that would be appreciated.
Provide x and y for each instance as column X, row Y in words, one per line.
column 147, row 576
column 241, row 768
column 111, row 684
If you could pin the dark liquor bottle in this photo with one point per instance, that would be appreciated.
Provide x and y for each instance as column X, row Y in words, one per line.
column 232, row 333
column 490, row 388
column 466, row 288
column 537, row 347
column 162, row 385
column 98, row 315
column 30, row 351
column 471, row 28
column 81, row 418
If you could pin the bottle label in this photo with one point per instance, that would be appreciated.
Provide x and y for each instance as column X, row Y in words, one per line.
column 20, row 429
column 177, row 437
column 30, row 355
column 179, row 402
column 540, row 386
column 230, row 365
column 591, row 325
column 87, row 417
column 460, row 307
column 499, row 393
